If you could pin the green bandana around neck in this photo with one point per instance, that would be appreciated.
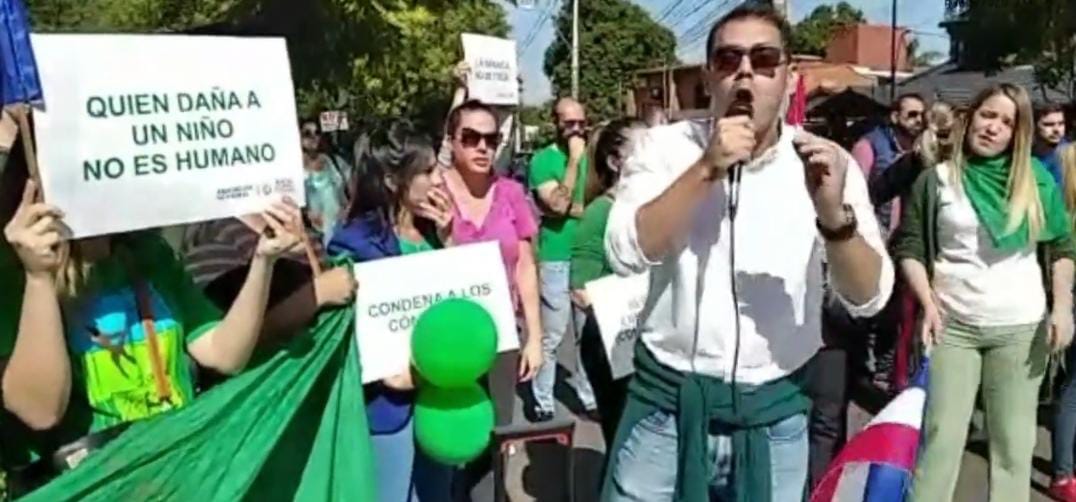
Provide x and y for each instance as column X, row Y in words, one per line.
column 986, row 183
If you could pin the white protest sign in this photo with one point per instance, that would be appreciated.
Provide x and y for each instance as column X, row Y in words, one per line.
column 494, row 69
column 333, row 121
column 617, row 302
column 394, row 292
column 143, row 131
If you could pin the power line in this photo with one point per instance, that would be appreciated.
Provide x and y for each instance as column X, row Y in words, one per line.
column 668, row 10
column 538, row 25
column 702, row 27
column 687, row 13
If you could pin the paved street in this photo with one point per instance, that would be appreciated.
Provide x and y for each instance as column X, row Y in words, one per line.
column 537, row 474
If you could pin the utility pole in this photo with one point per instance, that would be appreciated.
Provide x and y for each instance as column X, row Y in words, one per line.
column 575, row 49
column 893, row 56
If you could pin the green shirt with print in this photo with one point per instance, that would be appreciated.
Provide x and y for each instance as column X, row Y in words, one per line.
column 557, row 233
column 112, row 373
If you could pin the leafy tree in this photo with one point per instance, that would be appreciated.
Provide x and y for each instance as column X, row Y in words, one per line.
column 616, row 39
column 812, row 34
column 919, row 59
column 378, row 59
column 1000, row 33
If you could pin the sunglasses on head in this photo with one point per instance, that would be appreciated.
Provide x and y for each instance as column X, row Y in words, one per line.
column 727, row 59
column 470, row 138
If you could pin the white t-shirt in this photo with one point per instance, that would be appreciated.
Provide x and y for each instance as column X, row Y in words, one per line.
column 976, row 283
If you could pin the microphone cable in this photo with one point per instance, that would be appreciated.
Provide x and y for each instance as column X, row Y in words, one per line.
column 735, row 182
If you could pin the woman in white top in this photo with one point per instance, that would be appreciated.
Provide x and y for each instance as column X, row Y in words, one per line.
column 979, row 235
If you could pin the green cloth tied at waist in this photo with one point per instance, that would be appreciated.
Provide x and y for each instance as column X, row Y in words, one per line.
column 698, row 401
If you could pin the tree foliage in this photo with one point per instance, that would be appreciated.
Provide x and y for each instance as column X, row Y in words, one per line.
column 812, row 34
column 1000, row 33
column 375, row 58
column 616, row 39
column 919, row 58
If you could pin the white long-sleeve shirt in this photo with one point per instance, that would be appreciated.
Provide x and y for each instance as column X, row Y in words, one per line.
column 778, row 268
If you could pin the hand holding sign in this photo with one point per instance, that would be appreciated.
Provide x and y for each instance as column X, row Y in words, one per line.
column 35, row 232
column 283, row 231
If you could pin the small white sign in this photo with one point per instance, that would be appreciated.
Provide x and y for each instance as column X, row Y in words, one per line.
column 333, row 121
column 494, row 69
column 394, row 292
column 617, row 302
column 143, row 131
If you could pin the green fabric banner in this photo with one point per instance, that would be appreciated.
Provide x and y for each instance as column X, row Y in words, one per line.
column 292, row 427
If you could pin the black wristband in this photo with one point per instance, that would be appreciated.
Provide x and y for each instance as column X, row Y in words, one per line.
column 842, row 233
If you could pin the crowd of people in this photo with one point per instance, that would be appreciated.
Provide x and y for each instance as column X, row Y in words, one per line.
column 781, row 267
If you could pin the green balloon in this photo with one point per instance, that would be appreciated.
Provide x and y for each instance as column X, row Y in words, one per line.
column 453, row 426
column 453, row 343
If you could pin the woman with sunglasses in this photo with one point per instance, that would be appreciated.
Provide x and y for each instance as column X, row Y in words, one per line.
column 491, row 207
column 611, row 145
column 399, row 209
column 980, row 234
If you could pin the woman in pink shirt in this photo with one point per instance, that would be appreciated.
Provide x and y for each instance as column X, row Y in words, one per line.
column 494, row 208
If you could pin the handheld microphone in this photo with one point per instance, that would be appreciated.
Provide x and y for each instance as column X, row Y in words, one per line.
column 742, row 105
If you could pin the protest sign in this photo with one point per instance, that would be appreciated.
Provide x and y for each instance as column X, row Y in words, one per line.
column 334, row 121
column 394, row 292
column 494, row 69
column 145, row 131
column 617, row 302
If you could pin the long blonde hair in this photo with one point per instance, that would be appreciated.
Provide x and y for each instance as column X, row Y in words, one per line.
column 933, row 148
column 1067, row 155
column 1024, row 203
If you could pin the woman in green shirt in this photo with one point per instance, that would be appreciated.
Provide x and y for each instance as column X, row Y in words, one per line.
column 611, row 146
column 100, row 332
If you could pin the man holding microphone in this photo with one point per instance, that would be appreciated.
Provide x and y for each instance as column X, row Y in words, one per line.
column 734, row 219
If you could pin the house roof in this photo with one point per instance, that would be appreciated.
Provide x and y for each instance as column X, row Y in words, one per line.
column 953, row 84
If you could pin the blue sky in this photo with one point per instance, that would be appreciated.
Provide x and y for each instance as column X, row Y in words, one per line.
column 922, row 16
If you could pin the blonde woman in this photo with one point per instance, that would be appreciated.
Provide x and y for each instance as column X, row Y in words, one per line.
column 1063, row 439
column 968, row 250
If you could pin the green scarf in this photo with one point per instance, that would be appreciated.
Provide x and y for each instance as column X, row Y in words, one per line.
column 697, row 401
column 986, row 182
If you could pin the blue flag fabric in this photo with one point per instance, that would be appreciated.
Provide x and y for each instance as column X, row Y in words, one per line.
column 19, row 82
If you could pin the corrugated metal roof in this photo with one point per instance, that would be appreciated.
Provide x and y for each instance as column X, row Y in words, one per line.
column 959, row 86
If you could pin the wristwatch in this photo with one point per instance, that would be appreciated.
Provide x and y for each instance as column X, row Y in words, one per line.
column 846, row 231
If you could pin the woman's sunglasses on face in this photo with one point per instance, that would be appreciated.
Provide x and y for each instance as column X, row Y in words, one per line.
column 470, row 138
column 764, row 58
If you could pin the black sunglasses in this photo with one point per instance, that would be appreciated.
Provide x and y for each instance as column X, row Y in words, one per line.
column 764, row 58
column 470, row 138
column 574, row 124
column 309, row 132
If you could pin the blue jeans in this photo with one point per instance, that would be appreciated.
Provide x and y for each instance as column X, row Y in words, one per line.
column 404, row 473
column 558, row 315
column 646, row 463
column 1064, row 436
